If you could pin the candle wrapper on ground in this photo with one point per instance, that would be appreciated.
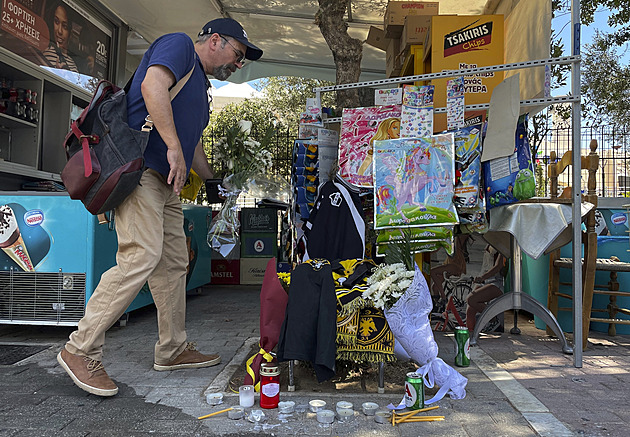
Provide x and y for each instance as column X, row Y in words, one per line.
column 369, row 408
column 286, row 407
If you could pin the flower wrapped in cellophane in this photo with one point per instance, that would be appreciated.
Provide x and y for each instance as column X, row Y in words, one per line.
column 245, row 160
column 387, row 284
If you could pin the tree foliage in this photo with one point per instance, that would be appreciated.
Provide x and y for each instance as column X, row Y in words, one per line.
column 283, row 99
column 605, row 85
column 619, row 18
column 286, row 97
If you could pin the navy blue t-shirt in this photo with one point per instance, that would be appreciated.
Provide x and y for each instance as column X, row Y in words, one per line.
column 191, row 111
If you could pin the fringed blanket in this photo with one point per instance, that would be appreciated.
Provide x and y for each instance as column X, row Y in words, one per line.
column 373, row 340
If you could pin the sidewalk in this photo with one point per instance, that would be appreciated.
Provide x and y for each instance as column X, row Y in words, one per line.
column 519, row 385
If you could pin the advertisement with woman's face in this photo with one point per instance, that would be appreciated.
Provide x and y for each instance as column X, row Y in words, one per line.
column 57, row 34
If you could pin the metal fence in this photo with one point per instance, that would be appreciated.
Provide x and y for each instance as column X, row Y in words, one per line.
column 613, row 174
column 281, row 148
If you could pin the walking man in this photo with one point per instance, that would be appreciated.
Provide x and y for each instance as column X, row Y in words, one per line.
column 149, row 223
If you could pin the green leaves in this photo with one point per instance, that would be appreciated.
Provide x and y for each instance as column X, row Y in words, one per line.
column 605, row 85
column 400, row 251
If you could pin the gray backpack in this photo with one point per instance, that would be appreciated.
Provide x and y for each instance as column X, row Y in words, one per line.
column 105, row 156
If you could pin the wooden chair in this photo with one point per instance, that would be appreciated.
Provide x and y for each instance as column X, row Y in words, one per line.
column 590, row 263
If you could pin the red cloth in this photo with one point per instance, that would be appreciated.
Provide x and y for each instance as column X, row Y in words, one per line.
column 273, row 303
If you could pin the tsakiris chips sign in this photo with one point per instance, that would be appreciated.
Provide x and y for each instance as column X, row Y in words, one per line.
column 465, row 42
column 470, row 38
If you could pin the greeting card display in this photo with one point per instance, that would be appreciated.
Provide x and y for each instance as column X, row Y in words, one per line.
column 455, row 105
column 416, row 119
column 467, row 166
column 360, row 127
column 414, row 181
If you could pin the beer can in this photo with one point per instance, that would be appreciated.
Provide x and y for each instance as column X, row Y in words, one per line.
column 414, row 391
column 462, row 342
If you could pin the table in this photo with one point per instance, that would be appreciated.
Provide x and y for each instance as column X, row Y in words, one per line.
column 536, row 229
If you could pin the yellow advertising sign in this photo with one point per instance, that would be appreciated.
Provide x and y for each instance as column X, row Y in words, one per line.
column 463, row 42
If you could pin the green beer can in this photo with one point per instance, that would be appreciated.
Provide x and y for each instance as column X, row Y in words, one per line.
column 414, row 391
column 462, row 343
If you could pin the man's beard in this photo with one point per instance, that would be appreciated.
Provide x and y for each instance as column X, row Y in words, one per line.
column 222, row 72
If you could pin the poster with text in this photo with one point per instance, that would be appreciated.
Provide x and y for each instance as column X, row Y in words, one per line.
column 59, row 35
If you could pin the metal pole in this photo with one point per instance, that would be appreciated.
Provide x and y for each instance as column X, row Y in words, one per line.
column 577, row 185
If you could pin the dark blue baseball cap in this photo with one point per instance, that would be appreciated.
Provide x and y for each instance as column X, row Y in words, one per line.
column 230, row 27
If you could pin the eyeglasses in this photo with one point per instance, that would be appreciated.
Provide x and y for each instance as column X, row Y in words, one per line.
column 240, row 56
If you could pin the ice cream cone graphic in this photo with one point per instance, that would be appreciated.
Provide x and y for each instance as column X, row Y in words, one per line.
column 11, row 240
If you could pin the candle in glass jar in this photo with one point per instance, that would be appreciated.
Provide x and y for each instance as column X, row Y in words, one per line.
column 246, row 396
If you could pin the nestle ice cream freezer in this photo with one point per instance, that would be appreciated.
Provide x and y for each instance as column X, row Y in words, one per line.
column 54, row 252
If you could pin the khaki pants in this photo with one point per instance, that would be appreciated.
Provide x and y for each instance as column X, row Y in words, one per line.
column 151, row 247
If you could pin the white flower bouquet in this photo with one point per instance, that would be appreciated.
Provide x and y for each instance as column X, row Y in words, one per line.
column 245, row 159
column 387, row 284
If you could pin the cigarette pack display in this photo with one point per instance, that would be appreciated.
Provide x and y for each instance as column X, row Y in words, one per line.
column 259, row 244
column 253, row 270
column 226, row 271
column 259, row 220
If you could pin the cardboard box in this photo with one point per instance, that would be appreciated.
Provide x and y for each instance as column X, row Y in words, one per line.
column 225, row 272
column 259, row 220
column 397, row 11
column 253, row 270
column 392, row 59
column 259, row 244
column 376, row 38
column 415, row 30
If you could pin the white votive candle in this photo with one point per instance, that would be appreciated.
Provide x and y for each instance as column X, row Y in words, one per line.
column 325, row 416
column 316, row 405
column 369, row 408
column 246, row 396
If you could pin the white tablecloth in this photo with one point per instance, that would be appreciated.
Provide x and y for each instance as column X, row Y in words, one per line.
column 539, row 228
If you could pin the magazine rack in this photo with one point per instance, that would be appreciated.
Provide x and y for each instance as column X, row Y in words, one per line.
column 574, row 99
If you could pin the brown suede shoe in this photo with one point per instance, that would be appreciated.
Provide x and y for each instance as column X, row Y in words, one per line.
column 190, row 358
column 87, row 373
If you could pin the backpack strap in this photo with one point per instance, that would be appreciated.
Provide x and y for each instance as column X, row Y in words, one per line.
column 148, row 123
